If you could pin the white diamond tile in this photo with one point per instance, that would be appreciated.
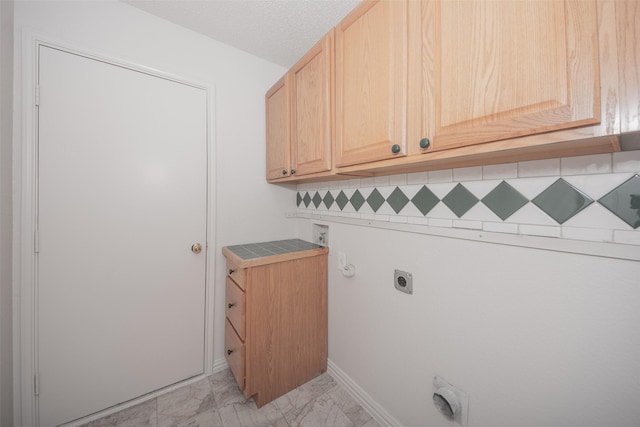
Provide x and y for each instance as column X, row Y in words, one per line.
column 596, row 216
column 481, row 188
column 531, row 187
column 366, row 192
column 540, row 230
column 381, row 181
column 467, row 174
column 439, row 222
column 386, row 209
column 462, row 223
column 626, row 161
column 367, row 182
column 589, row 234
column 411, row 210
column 500, row 227
column 441, row 190
column 480, row 212
column 379, row 217
column 365, row 208
column 398, row 180
column 441, row 176
column 398, row 218
column 418, row 220
column 548, row 167
column 410, row 190
column 386, row 191
column 418, row 178
column 503, row 171
column 441, row 211
column 334, row 207
column 597, row 163
column 627, row 237
column 596, row 186
column 530, row 214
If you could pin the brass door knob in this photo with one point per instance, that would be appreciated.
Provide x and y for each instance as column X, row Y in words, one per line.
column 196, row 248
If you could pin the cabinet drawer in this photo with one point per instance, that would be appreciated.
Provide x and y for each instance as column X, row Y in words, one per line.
column 234, row 307
column 236, row 273
column 234, row 352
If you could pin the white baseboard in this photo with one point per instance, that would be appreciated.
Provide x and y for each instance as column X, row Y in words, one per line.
column 359, row 395
column 219, row 365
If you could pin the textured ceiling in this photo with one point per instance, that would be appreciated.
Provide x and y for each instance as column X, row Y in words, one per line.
column 280, row 31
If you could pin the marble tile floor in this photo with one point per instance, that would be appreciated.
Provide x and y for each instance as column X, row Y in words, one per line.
column 217, row 401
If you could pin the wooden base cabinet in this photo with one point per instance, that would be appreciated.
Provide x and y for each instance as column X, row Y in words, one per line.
column 276, row 325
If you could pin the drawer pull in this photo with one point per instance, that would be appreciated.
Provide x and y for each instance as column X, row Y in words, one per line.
column 229, row 351
column 231, row 304
column 231, row 271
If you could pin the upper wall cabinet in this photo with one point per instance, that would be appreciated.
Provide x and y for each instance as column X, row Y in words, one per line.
column 312, row 109
column 299, row 111
column 371, row 55
column 488, row 71
column 278, row 129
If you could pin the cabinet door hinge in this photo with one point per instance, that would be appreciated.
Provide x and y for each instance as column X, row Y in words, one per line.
column 36, row 242
column 36, row 385
column 37, row 95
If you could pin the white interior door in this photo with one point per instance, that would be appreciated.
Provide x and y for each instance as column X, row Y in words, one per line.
column 122, row 196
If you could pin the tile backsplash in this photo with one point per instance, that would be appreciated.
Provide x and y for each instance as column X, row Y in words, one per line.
column 590, row 198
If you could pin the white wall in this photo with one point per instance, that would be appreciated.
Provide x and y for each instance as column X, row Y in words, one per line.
column 536, row 338
column 6, row 117
column 247, row 208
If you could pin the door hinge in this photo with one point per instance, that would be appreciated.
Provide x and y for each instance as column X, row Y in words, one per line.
column 36, row 385
column 36, row 242
column 37, row 95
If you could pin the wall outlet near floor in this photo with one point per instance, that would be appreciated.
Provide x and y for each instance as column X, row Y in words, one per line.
column 320, row 233
column 403, row 281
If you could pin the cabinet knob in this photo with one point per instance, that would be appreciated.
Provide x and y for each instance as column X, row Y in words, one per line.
column 284, row 172
column 293, row 171
column 230, row 305
column 395, row 149
column 425, row 143
column 231, row 271
column 229, row 351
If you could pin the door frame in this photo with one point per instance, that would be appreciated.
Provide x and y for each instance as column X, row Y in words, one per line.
column 25, row 161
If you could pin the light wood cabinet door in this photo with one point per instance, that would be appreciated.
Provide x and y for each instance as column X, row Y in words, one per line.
column 371, row 51
column 311, row 109
column 278, row 112
column 495, row 70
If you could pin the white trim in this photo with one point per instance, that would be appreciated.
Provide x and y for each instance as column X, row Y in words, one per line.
column 362, row 397
column 604, row 250
column 25, row 193
column 219, row 365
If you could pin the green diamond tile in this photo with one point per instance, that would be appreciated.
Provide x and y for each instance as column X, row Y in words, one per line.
column 460, row 200
column 375, row 200
column 624, row 201
column 317, row 199
column 328, row 199
column 504, row 200
column 357, row 200
column 562, row 200
column 425, row 200
column 298, row 199
column 342, row 200
column 397, row 200
column 306, row 199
